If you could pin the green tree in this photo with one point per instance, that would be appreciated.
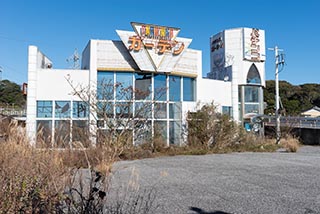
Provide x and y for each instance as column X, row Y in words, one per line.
column 295, row 99
column 10, row 93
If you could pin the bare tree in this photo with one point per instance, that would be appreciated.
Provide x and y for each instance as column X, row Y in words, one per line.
column 121, row 114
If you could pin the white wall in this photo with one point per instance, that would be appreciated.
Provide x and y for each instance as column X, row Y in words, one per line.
column 42, row 60
column 48, row 84
column 234, row 50
column 52, row 84
column 214, row 90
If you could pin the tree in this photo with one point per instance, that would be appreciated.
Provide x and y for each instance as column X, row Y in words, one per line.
column 119, row 119
column 295, row 99
column 10, row 93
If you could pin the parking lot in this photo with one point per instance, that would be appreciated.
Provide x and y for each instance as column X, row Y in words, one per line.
column 228, row 183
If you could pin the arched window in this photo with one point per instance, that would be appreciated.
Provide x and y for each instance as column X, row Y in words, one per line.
column 253, row 75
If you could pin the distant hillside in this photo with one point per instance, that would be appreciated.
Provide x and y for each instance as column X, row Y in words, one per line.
column 295, row 98
column 11, row 94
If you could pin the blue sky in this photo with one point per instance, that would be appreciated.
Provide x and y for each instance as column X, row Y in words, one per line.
column 57, row 27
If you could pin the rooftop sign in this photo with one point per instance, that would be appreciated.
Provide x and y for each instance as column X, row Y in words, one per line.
column 153, row 47
column 253, row 45
column 159, row 39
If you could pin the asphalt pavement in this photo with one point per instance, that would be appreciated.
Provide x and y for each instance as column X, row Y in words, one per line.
column 277, row 182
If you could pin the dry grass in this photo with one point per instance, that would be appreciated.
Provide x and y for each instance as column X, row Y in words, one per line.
column 30, row 180
column 48, row 180
column 35, row 180
column 290, row 143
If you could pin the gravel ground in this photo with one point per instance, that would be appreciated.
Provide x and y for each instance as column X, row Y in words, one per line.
column 228, row 183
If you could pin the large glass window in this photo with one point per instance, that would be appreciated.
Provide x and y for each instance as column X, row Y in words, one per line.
column 105, row 85
column 62, row 133
column 160, row 130
column 174, row 88
column 160, row 87
column 124, row 109
column 143, row 109
column 124, row 86
column 253, row 76
column 44, row 109
column 251, row 108
column 142, row 132
column 143, row 86
column 44, row 132
column 80, row 131
column 188, row 89
column 227, row 110
column 80, row 109
column 160, row 110
column 251, row 94
column 105, row 110
column 62, row 109
column 175, row 110
column 252, row 97
column 175, row 132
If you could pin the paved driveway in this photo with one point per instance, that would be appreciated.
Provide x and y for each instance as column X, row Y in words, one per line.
column 229, row 183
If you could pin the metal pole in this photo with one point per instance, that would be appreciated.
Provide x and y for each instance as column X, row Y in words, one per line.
column 0, row 73
column 278, row 131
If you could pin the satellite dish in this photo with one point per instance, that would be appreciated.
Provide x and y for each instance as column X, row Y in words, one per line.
column 226, row 78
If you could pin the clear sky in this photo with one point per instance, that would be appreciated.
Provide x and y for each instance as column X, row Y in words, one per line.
column 57, row 27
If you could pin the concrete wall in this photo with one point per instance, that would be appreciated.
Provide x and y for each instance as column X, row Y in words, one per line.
column 209, row 90
column 31, row 96
column 85, row 59
column 114, row 56
column 53, row 83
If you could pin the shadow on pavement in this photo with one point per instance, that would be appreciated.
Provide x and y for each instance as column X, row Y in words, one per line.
column 201, row 211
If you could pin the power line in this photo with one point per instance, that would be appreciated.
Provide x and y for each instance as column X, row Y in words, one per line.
column 15, row 39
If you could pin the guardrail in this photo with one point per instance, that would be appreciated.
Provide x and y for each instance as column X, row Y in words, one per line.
column 294, row 122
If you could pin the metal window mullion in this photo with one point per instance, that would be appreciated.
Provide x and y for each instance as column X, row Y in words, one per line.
column 167, row 101
column 53, row 122
column 71, row 122
column 181, row 88
column 152, row 105
column 133, row 101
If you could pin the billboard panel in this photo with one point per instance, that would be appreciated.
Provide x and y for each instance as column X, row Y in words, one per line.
column 254, row 45
column 217, row 55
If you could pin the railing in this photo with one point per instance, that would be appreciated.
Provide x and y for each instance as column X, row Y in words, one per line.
column 294, row 122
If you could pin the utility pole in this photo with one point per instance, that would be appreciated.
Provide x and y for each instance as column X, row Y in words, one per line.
column 0, row 73
column 279, row 60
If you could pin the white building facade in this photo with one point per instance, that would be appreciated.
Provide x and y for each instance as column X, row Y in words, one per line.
column 238, row 57
column 149, row 75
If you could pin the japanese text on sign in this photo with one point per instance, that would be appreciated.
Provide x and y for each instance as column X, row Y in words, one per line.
column 255, row 47
column 158, row 38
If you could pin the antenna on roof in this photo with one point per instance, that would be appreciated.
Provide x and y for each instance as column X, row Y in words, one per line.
column 74, row 58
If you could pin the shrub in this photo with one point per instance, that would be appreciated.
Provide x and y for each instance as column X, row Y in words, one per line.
column 30, row 180
column 45, row 180
column 290, row 143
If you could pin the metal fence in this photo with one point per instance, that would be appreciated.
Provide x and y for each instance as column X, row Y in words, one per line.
column 294, row 122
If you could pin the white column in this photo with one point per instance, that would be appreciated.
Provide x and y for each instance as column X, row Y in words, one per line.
column 31, row 127
column 235, row 94
column 93, row 88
